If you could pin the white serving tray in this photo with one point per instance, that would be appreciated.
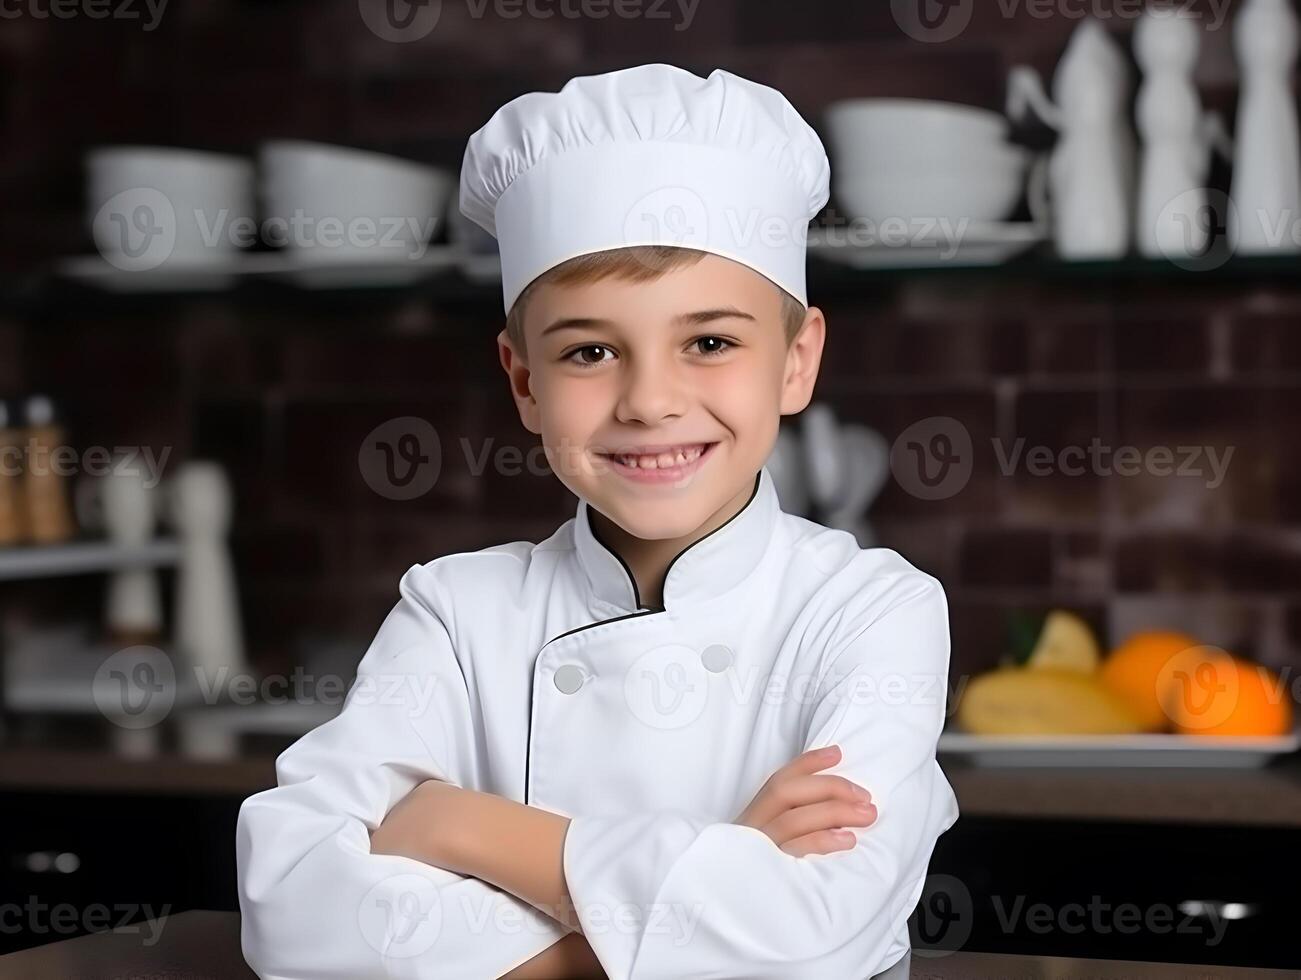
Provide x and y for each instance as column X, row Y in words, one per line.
column 296, row 267
column 981, row 243
column 1118, row 750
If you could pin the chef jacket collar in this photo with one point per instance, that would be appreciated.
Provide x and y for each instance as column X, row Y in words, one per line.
column 704, row 569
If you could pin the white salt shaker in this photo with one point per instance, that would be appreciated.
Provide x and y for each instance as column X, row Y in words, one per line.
column 208, row 626
column 1266, row 191
column 1172, row 196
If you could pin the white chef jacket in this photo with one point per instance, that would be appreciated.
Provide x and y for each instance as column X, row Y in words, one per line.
column 533, row 671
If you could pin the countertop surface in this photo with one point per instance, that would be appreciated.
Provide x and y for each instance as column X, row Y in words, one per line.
column 204, row 945
column 1270, row 796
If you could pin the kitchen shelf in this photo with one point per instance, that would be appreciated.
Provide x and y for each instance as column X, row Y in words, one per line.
column 445, row 279
column 83, row 558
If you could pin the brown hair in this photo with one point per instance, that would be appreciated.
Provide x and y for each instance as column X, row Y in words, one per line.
column 638, row 263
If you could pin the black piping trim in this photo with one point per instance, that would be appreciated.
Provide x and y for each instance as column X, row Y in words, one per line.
column 744, row 507
column 636, row 593
column 528, row 746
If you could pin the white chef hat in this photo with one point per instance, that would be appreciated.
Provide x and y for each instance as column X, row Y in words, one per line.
column 651, row 155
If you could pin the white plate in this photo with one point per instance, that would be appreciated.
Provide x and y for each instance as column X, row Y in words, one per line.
column 292, row 266
column 301, row 269
column 977, row 244
column 1118, row 750
column 94, row 270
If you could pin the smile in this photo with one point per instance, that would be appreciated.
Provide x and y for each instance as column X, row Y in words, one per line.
column 665, row 462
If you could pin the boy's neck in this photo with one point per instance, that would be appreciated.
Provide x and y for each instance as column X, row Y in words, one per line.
column 648, row 560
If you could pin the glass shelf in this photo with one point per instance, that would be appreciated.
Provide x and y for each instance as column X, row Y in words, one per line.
column 452, row 284
column 82, row 558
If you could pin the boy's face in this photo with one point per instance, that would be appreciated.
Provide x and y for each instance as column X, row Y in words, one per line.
column 696, row 359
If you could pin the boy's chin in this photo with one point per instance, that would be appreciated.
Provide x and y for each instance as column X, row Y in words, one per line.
column 644, row 516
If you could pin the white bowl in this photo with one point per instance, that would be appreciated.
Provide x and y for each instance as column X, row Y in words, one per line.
column 920, row 198
column 984, row 158
column 862, row 130
column 339, row 204
column 154, row 206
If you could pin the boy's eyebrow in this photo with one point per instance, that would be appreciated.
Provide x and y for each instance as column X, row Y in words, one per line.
column 697, row 317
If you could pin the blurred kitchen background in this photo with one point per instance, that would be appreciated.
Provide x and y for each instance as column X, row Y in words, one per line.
column 1063, row 375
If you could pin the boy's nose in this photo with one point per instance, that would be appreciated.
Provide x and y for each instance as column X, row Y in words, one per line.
column 652, row 391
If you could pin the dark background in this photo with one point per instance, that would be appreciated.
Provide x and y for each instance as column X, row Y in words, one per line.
column 281, row 385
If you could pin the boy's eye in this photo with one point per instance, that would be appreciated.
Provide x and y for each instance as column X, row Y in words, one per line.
column 577, row 357
column 713, row 340
column 590, row 355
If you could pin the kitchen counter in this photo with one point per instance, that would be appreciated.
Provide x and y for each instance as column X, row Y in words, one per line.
column 1249, row 797
column 203, row 945
column 1269, row 796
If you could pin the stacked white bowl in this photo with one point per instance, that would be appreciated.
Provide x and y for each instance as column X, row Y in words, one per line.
column 336, row 204
column 160, row 207
column 920, row 161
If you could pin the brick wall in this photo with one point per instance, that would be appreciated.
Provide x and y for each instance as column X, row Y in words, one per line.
column 282, row 388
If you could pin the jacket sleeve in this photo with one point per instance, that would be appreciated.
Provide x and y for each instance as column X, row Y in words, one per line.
column 667, row 894
column 315, row 902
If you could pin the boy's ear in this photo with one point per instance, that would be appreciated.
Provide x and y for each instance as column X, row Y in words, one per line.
column 803, row 360
column 517, row 370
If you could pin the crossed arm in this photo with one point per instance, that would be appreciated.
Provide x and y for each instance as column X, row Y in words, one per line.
column 519, row 848
column 322, row 862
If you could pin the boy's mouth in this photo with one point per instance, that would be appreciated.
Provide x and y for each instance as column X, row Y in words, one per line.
column 663, row 461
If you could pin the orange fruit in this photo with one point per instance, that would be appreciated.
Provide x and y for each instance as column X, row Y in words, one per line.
column 1133, row 671
column 1210, row 692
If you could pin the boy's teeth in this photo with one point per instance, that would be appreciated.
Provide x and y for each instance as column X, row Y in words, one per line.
column 681, row 458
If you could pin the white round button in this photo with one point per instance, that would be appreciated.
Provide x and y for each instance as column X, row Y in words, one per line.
column 716, row 658
column 569, row 678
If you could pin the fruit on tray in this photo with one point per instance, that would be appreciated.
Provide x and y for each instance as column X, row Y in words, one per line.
column 1210, row 692
column 1138, row 669
column 1042, row 701
column 1066, row 642
column 1055, row 682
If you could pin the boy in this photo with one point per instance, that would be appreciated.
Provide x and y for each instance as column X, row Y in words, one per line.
column 611, row 753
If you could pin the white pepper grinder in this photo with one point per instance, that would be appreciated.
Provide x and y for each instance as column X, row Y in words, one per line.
column 1266, row 191
column 1177, row 135
column 208, row 627
column 135, row 611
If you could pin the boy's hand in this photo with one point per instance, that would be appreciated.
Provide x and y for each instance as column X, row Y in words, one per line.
column 803, row 813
